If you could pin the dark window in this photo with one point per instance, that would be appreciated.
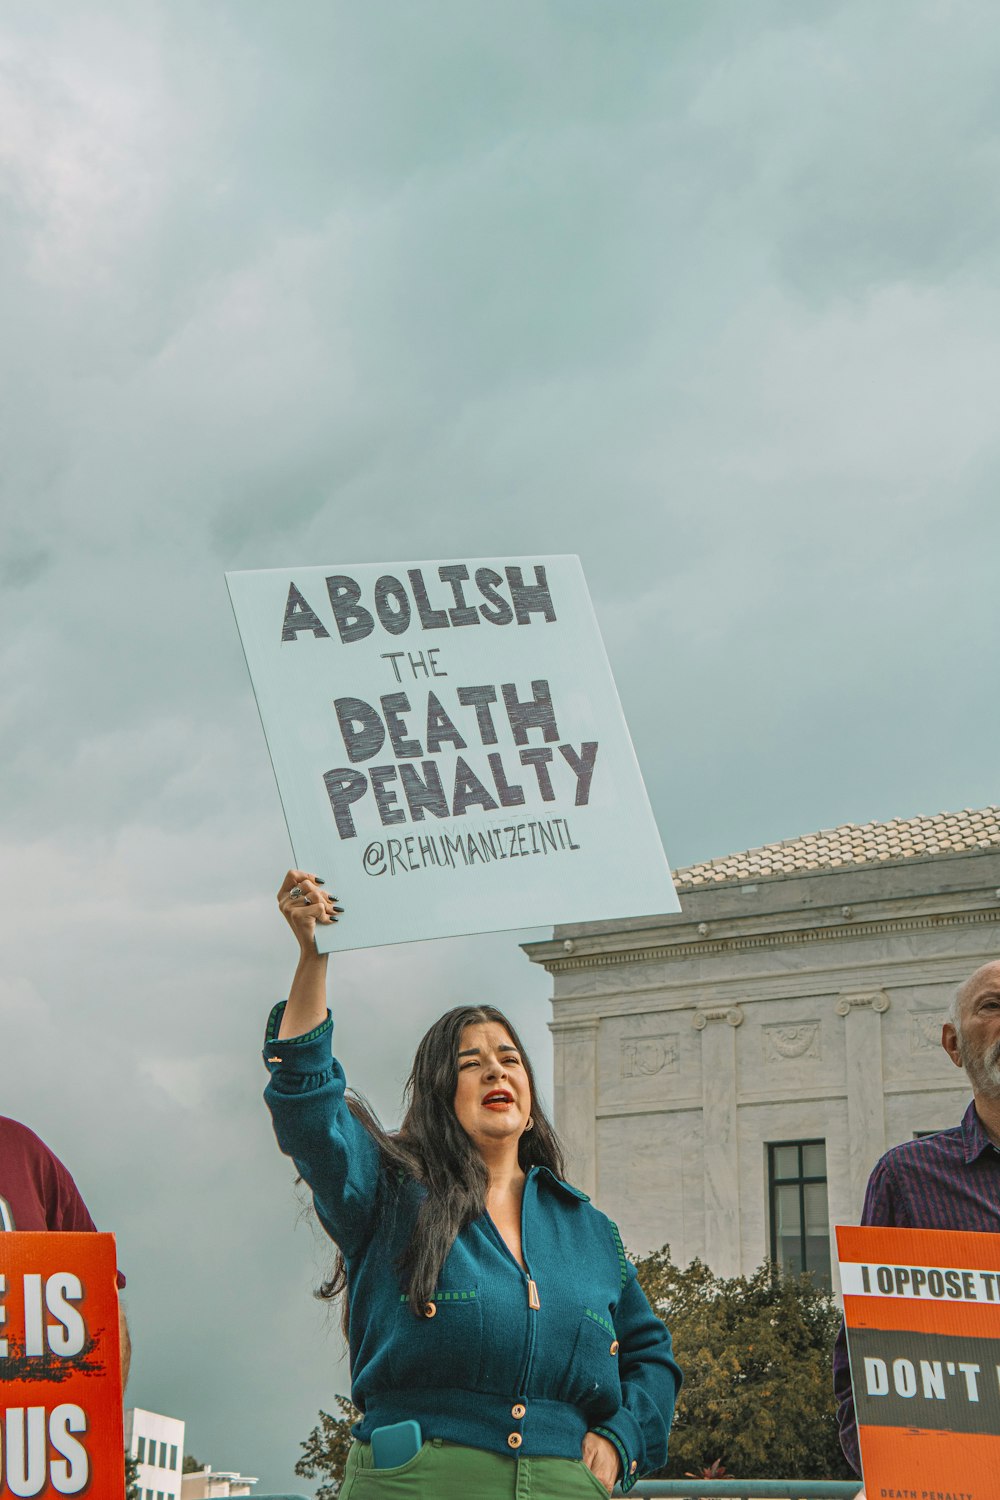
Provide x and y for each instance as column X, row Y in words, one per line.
column 800, row 1216
column 140, row 1449
column 173, row 1455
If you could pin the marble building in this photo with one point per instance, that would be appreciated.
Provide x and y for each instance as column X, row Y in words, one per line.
column 726, row 1077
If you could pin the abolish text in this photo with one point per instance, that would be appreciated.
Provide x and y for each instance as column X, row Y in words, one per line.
column 506, row 598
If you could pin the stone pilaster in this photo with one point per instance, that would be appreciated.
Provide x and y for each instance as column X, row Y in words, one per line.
column 721, row 1141
column 575, row 1098
column 862, row 1011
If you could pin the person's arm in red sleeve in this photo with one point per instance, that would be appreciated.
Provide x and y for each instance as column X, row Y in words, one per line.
column 66, row 1210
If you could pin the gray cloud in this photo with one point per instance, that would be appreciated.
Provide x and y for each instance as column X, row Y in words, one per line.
column 702, row 291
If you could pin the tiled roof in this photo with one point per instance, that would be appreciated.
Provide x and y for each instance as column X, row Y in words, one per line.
column 852, row 844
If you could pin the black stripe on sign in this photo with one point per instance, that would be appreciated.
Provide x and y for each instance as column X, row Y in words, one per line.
column 934, row 1381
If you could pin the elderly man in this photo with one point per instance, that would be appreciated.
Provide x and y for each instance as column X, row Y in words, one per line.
column 946, row 1181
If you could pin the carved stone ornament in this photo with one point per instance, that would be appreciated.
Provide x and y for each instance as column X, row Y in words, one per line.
column 878, row 1000
column 645, row 1056
column 731, row 1014
column 788, row 1041
column 925, row 1030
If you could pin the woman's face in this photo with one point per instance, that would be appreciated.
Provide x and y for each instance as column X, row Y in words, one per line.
column 492, row 1095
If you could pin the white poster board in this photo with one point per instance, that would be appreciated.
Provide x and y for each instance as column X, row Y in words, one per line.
column 449, row 746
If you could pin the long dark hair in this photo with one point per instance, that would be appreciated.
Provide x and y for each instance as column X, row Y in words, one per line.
column 431, row 1148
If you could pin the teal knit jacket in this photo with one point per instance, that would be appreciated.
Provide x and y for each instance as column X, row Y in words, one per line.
column 519, row 1361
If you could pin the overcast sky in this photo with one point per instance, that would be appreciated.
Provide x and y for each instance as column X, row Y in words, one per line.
column 703, row 290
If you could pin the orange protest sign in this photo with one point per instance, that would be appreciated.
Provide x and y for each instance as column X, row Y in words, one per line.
column 922, row 1309
column 60, row 1366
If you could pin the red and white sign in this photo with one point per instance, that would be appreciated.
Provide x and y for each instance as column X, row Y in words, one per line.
column 60, row 1367
column 922, row 1309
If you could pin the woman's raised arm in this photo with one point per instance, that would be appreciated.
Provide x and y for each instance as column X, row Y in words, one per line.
column 331, row 1149
column 302, row 902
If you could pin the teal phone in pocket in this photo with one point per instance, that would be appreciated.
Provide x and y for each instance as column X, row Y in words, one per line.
column 395, row 1445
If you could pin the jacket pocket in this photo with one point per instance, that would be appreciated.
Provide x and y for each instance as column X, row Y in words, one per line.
column 443, row 1350
column 591, row 1379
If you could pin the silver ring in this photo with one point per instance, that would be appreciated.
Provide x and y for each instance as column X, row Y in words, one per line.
column 296, row 890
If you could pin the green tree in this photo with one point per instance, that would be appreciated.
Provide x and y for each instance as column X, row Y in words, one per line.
column 132, row 1491
column 326, row 1448
column 756, row 1352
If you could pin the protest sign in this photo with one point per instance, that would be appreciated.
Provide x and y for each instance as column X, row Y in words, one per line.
column 60, row 1366
column 922, row 1309
column 449, row 746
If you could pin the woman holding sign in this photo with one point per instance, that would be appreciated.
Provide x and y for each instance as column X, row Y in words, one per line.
column 495, row 1324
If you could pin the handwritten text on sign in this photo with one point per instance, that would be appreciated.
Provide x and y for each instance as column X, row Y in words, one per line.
column 454, row 717
column 470, row 712
column 60, row 1379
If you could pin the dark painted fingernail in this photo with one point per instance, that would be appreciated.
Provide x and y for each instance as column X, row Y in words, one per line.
column 319, row 880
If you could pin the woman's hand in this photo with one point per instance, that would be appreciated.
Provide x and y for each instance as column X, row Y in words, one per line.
column 303, row 903
column 602, row 1459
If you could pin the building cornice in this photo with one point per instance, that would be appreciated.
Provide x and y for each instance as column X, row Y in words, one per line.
column 567, row 962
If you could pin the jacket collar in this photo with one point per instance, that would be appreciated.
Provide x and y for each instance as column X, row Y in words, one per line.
column 550, row 1178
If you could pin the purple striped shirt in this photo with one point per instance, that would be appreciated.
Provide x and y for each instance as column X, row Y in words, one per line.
column 946, row 1181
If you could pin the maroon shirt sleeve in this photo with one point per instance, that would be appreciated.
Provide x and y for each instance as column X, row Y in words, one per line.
column 36, row 1190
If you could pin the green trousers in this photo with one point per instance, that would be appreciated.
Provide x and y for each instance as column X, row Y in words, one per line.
column 444, row 1471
